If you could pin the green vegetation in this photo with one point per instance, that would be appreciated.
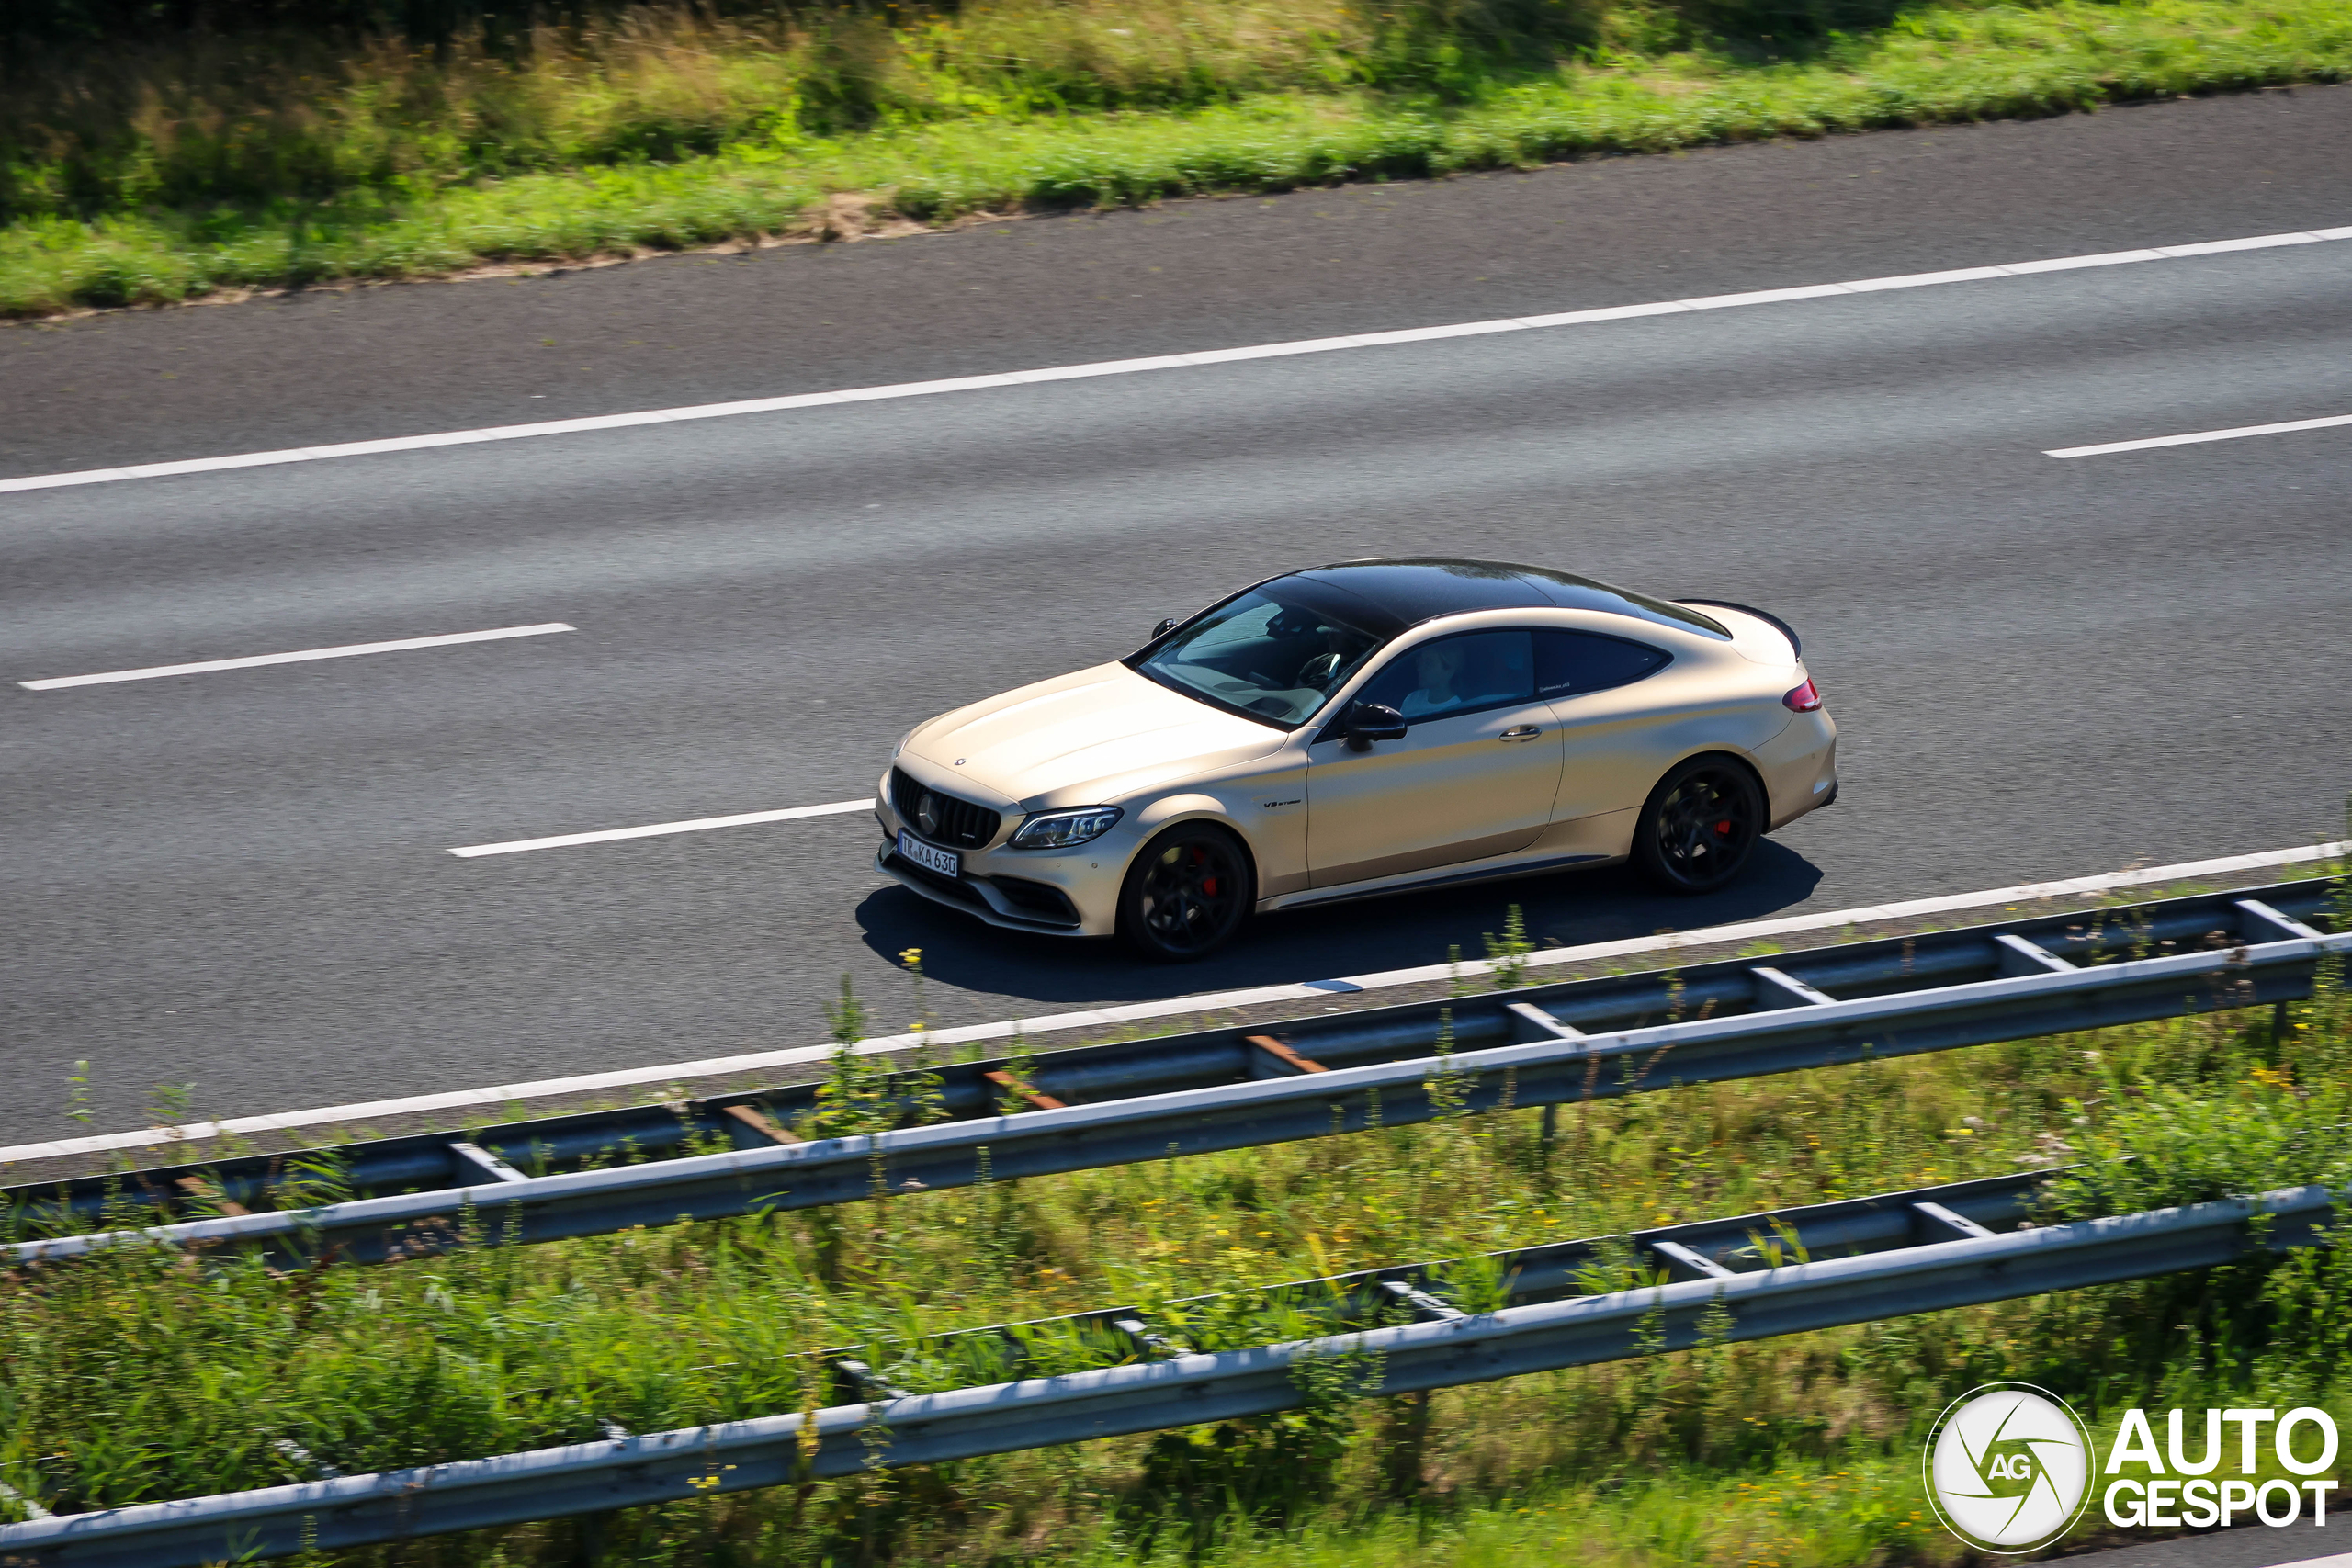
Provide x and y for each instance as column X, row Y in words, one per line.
column 141, row 1376
column 138, row 171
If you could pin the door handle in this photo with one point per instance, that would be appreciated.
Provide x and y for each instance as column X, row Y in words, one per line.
column 1520, row 732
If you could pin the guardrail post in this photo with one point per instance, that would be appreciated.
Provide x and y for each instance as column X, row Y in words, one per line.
column 1285, row 1056
column 205, row 1191
column 866, row 1385
column 1544, row 1026
column 1138, row 1327
column 473, row 1157
column 1681, row 1257
column 1937, row 1218
column 2259, row 922
column 2018, row 956
column 1038, row 1100
column 1424, row 1306
column 761, row 1125
column 1778, row 988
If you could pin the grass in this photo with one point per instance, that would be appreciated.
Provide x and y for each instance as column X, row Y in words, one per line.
column 168, row 172
column 141, row 1376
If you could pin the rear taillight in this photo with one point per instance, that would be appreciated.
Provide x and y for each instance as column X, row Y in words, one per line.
column 1804, row 699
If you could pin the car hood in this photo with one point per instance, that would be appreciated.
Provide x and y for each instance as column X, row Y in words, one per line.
column 1087, row 739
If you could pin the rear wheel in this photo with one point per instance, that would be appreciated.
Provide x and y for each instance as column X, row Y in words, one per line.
column 1700, row 826
column 1186, row 894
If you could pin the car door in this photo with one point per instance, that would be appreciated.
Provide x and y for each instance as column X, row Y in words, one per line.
column 1612, row 745
column 1474, row 777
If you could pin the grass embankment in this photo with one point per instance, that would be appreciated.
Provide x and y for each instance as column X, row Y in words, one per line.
column 141, row 1376
column 160, row 171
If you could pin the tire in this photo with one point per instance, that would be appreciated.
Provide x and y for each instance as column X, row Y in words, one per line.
column 1700, row 826
column 1186, row 893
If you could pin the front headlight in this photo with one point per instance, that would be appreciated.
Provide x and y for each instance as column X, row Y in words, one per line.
column 1064, row 830
column 901, row 743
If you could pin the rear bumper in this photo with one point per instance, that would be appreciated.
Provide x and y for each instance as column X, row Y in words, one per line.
column 1800, row 767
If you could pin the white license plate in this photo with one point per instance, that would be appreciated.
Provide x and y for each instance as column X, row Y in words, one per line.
column 947, row 863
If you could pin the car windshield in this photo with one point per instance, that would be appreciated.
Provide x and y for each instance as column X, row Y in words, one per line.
column 1273, row 659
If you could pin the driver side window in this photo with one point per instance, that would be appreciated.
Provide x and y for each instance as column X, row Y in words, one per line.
column 1456, row 675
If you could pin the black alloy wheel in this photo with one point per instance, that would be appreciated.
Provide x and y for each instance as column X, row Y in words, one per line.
column 1700, row 826
column 1186, row 894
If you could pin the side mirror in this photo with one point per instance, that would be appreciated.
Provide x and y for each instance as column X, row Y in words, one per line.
column 1163, row 629
column 1368, row 722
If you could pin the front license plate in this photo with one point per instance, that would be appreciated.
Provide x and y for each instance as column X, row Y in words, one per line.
column 947, row 863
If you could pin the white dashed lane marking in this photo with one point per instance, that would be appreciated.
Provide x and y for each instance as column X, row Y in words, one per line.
column 349, row 650
column 608, row 835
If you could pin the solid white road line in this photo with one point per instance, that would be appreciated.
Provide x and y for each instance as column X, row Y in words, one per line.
column 563, row 840
column 2293, row 425
column 675, row 1075
column 1163, row 362
column 349, row 651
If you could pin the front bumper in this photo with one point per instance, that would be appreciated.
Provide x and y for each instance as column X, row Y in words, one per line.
column 1072, row 894
column 1015, row 903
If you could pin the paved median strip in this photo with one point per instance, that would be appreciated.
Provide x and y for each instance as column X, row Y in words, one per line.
column 1171, row 361
column 349, row 650
column 608, row 835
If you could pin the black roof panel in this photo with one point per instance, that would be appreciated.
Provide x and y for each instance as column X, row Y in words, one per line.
column 1406, row 592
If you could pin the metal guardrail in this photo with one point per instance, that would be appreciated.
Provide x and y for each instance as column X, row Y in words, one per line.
column 1861, row 1259
column 1529, row 1047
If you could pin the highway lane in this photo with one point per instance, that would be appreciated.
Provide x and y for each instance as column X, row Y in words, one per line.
column 240, row 878
column 330, row 367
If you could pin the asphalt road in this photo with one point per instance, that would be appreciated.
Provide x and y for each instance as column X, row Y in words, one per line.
column 2300, row 1545
column 2040, row 667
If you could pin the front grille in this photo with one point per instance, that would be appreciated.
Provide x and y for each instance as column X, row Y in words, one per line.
column 960, row 822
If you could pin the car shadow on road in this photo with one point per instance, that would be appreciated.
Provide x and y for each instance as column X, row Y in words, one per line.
column 1567, row 909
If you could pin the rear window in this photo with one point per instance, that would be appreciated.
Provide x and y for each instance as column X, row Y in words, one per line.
column 1568, row 664
column 1573, row 592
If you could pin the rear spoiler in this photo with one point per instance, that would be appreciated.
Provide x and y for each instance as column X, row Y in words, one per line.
column 1796, row 645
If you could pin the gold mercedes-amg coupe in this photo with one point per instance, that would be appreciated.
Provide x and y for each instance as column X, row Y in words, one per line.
column 1356, row 730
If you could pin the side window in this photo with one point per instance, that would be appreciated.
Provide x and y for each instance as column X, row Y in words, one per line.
column 1569, row 664
column 1456, row 675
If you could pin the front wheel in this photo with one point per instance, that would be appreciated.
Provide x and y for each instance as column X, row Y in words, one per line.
column 1700, row 826
column 1186, row 894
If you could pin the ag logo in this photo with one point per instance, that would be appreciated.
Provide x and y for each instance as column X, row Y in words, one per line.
column 2008, row 1467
